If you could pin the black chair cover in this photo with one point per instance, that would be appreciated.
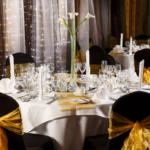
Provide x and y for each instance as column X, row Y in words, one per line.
column 96, row 49
column 143, row 54
column 134, row 106
column 142, row 37
column 27, row 141
column 97, row 58
column 20, row 58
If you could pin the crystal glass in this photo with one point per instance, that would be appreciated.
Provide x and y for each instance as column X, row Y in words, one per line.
column 56, row 84
column 142, row 46
column 61, row 85
column 127, row 44
column 77, row 67
column 118, row 69
column 82, row 69
column 104, row 67
column 134, row 42
column 148, row 41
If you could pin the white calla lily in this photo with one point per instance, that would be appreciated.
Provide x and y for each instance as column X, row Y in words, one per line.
column 72, row 15
column 61, row 20
column 89, row 16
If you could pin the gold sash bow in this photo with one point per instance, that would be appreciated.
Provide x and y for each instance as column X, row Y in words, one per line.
column 146, row 72
column 139, row 137
column 12, row 122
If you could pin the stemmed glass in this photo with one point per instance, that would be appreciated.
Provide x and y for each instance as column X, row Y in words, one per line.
column 104, row 67
column 77, row 66
column 51, row 69
column 118, row 69
column 127, row 44
column 134, row 42
column 82, row 69
column 148, row 41
column 61, row 85
column 64, row 77
column 56, row 84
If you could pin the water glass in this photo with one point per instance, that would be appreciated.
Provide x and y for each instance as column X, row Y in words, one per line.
column 82, row 68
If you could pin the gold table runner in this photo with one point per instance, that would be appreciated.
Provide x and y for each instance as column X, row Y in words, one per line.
column 65, row 104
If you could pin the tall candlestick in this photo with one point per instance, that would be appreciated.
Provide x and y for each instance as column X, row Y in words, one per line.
column 121, row 40
column 87, row 64
column 130, row 51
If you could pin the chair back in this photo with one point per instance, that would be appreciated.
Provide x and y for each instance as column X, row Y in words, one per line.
column 141, row 39
column 96, row 59
column 21, row 60
column 143, row 54
column 95, row 49
column 135, row 107
column 7, row 105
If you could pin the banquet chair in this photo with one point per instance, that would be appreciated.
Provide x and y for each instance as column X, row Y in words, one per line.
column 141, row 39
column 134, row 107
column 21, row 60
column 139, row 56
column 96, row 59
column 96, row 49
column 17, row 140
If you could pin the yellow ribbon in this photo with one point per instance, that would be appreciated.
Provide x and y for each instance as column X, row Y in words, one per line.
column 11, row 122
column 146, row 72
column 139, row 137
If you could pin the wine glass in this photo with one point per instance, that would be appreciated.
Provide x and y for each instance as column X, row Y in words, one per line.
column 118, row 69
column 103, row 67
column 77, row 66
column 56, row 84
column 142, row 46
column 134, row 42
column 82, row 68
column 61, row 85
column 148, row 41
column 127, row 44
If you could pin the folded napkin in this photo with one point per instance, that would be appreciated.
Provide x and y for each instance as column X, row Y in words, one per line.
column 11, row 58
column 132, row 76
column 101, row 95
column 7, row 86
column 117, row 49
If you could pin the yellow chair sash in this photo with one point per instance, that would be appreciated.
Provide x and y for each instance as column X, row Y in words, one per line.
column 146, row 72
column 95, row 68
column 139, row 137
column 11, row 122
column 17, row 68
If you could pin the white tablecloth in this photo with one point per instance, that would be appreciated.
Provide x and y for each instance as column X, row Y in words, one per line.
column 69, row 128
column 126, row 60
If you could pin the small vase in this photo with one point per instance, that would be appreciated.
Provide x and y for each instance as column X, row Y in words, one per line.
column 73, row 84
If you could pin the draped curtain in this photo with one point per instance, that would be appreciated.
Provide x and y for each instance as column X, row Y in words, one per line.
column 131, row 17
column 96, row 29
column 30, row 26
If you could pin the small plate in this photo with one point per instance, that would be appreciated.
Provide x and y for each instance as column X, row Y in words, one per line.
column 74, row 93
column 79, row 101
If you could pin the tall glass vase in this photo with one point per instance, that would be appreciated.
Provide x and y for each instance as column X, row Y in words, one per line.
column 73, row 84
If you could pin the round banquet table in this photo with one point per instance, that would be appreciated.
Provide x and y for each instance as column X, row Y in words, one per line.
column 67, row 128
column 126, row 60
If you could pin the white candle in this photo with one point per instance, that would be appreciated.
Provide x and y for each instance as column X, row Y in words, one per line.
column 130, row 52
column 87, row 59
column 121, row 40
column 41, row 84
column 87, row 64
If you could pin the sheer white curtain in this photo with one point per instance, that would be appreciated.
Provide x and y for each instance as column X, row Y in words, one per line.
column 52, row 39
column 12, row 30
column 89, row 28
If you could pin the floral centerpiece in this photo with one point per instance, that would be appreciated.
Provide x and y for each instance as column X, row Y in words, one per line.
column 72, row 84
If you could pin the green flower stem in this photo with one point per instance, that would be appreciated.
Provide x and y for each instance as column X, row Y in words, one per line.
column 79, row 26
column 73, row 53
